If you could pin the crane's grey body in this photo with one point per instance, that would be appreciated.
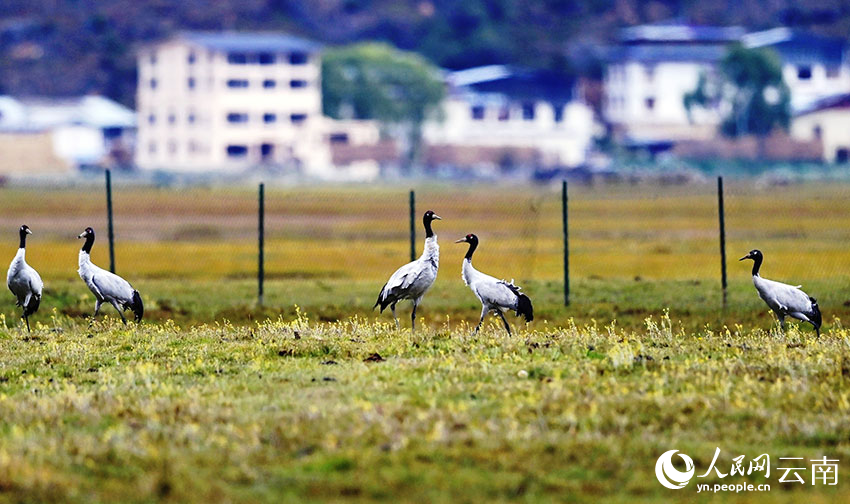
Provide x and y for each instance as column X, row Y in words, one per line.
column 413, row 280
column 785, row 300
column 106, row 286
column 24, row 281
column 495, row 295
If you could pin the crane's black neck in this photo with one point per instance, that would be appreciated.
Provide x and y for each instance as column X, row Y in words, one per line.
column 23, row 239
column 427, row 222
column 757, row 264
column 472, row 246
column 89, row 242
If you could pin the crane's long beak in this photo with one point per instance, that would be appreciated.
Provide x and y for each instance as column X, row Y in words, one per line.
column 745, row 257
column 462, row 240
column 28, row 231
column 437, row 217
column 81, row 235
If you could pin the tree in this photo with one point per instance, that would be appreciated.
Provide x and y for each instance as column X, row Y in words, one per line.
column 377, row 81
column 750, row 88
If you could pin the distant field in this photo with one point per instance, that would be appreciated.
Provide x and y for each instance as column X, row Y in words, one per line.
column 214, row 399
column 635, row 250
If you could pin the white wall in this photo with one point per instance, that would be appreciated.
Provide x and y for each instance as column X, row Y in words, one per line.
column 833, row 126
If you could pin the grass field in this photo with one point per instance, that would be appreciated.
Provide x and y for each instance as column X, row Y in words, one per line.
column 216, row 399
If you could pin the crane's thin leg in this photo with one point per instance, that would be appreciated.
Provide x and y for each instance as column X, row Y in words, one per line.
column 118, row 309
column 502, row 316
column 484, row 311
column 27, row 320
column 782, row 323
column 96, row 311
column 413, row 318
column 392, row 307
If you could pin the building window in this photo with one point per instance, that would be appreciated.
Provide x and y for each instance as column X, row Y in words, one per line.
column 237, row 151
column 269, row 83
column 190, row 118
column 192, row 146
column 528, row 111
column 504, row 113
column 477, row 112
column 153, row 58
column 817, row 132
column 191, row 58
column 649, row 103
column 833, row 71
column 842, row 155
column 237, row 117
column 267, row 59
column 338, row 138
column 152, row 119
column 269, row 118
column 559, row 113
column 153, row 83
column 172, row 147
column 298, row 58
column 191, row 82
column 152, row 147
column 237, row 83
column 266, row 151
column 298, row 118
column 237, row 58
column 297, row 83
column 804, row 72
column 650, row 72
column 171, row 118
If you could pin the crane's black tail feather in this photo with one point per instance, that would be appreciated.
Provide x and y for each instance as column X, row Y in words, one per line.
column 524, row 307
column 32, row 307
column 383, row 304
column 137, row 306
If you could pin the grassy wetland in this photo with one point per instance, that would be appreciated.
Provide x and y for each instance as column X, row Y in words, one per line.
column 315, row 397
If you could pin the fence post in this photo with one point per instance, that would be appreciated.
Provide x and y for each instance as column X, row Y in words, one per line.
column 412, row 225
column 110, row 232
column 566, row 243
column 261, row 234
column 721, row 213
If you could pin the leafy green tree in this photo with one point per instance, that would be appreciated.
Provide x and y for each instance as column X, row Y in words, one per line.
column 750, row 88
column 377, row 81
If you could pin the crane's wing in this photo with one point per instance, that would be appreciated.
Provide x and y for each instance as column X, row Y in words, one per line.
column 788, row 298
column 110, row 285
column 35, row 281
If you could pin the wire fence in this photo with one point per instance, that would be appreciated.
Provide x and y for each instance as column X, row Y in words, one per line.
column 632, row 231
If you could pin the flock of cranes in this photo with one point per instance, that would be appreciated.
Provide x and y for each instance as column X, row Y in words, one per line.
column 410, row 281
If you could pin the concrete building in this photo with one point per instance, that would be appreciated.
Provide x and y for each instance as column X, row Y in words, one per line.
column 53, row 135
column 231, row 100
column 654, row 66
column 497, row 112
column 827, row 120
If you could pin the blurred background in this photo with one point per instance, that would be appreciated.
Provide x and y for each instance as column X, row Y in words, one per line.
column 482, row 106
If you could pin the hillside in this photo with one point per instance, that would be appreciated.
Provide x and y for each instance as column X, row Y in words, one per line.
column 66, row 47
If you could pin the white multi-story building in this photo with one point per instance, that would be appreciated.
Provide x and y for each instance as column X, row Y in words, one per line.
column 497, row 108
column 654, row 67
column 214, row 101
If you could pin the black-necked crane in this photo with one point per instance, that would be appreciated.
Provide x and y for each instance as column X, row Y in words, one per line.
column 23, row 280
column 783, row 299
column 107, row 287
column 413, row 280
column 495, row 295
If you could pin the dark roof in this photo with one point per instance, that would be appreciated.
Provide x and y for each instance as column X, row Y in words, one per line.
column 515, row 82
column 251, row 41
column 653, row 53
column 798, row 47
column 680, row 32
column 830, row 102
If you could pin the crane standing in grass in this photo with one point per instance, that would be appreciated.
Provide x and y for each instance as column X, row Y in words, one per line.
column 23, row 280
column 495, row 295
column 106, row 286
column 783, row 299
column 413, row 280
